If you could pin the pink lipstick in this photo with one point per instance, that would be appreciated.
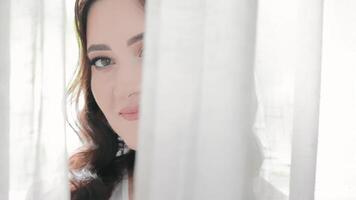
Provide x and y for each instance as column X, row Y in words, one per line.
column 130, row 113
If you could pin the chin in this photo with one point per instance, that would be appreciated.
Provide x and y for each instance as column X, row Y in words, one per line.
column 133, row 147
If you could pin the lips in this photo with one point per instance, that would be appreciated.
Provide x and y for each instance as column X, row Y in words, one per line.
column 130, row 112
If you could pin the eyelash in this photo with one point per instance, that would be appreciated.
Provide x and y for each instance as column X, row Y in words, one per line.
column 95, row 59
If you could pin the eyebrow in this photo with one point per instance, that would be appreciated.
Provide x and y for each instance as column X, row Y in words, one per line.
column 99, row 47
column 104, row 47
column 134, row 39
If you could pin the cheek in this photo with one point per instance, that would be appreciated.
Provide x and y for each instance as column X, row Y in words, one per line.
column 101, row 92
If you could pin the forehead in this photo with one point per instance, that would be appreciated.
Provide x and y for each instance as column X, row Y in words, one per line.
column 114, row 21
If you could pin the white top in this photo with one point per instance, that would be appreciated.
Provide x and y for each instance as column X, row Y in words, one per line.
column 121, row 190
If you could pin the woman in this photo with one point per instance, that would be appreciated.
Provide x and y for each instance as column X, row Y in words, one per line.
column 110, row 34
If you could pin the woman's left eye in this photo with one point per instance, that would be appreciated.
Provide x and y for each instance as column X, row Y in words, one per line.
column 101, row 62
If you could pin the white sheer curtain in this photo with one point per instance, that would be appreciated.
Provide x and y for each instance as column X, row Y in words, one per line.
column 223, row 82
column 37, row 127
column 198, row 100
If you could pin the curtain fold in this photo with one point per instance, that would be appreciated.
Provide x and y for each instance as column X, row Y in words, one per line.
column 306, row 99
column 37, row 124
column 203, row 123
column 4, row 98
column 198, row 101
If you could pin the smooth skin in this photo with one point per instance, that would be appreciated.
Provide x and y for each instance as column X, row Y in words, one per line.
column 115, row 49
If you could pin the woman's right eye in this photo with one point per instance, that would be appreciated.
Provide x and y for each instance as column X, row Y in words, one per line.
column 101, row 62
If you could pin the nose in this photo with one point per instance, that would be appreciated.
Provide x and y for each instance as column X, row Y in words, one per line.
column 127, row 80
column 133, row 93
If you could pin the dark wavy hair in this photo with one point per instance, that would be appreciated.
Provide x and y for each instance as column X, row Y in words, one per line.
column 94, row 169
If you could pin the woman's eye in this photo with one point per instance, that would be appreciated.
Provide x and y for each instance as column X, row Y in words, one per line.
column 101, row 62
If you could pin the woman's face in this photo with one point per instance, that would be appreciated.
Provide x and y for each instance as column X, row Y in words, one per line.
column 115, row 44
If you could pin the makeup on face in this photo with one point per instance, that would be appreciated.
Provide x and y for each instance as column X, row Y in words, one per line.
column 105, row 47
column 130, row 112
column 103, row 61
